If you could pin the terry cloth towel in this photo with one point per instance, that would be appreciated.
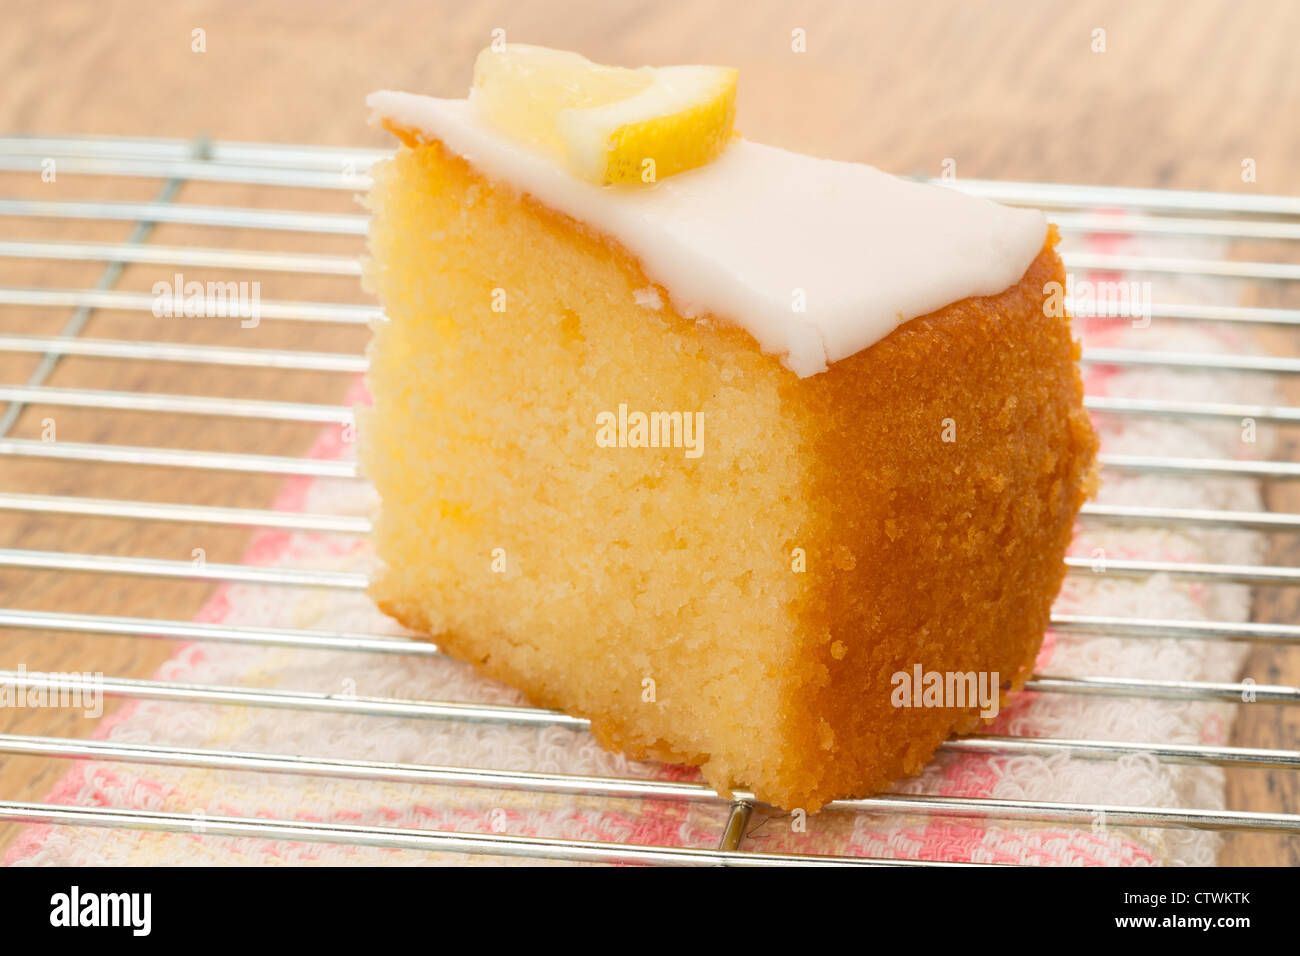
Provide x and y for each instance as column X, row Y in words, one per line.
column 1132, row 780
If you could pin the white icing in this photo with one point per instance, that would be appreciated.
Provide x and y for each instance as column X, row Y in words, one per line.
column 816, row 259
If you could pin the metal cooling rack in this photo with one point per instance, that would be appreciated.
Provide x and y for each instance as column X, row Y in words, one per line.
column 308, row 171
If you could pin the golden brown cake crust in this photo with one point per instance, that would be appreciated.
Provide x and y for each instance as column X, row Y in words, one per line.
column 944, row 554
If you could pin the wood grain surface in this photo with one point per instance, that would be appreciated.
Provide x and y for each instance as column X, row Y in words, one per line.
column 1182, row 94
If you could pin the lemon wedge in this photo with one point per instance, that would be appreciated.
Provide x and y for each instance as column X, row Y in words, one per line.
column 607, row 124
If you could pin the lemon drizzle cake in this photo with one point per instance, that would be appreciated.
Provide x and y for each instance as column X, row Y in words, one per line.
column 888, row 434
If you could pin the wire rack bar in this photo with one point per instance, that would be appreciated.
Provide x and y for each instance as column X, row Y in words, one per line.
column 288, row 220
column 303, row 263
column 401, row 838
column 1192, row 360
column 309, row 639
column 1241, row 314
column 330, row 158
column 90, row 749
column 1253, row 631
column 195, row 171
column 1032, row 811
column 178, row 458
column 305, row 577
column 280, row 699
column 1230, row 692
column 232, row 217
column 1054, row 195
column 1257, row 758
column 342, row 313
column 1182, row 265
column 733, row 832
column 359, row 314
column 1193, row 754
column 178, row 404
column 1243, row 573
column 353, row 362
column 313, row 702
column 272, row 464
column 1143, row 514
column 626, row 787
column 314, row 264
column 189, row 514
column 191, row 570
column 197, row 354
column 1177, row 409
column 289, row 156
column 1178, row 226
column 354, row 524
column 639, row 788
column 343, row 169
column 1216, row 467
column 299, row 412
column 303, row 638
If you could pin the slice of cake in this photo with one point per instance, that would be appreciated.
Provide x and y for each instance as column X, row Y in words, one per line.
column 732, row 461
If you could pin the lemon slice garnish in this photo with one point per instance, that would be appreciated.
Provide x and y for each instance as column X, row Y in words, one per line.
column 607, row 124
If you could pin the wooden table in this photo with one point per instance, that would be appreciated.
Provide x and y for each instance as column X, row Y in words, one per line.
column 1181, row 95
